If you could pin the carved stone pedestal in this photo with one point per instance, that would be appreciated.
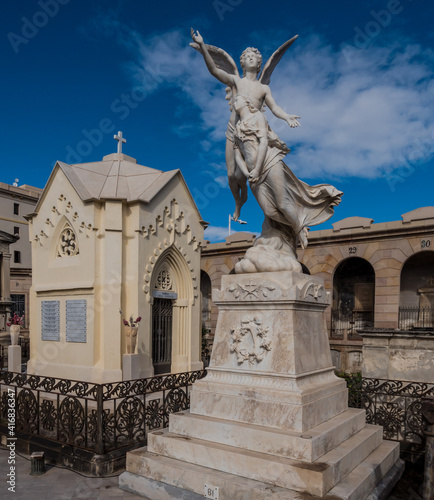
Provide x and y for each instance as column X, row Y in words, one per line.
column 130, row 367
column 14, row 358
column 270, row 420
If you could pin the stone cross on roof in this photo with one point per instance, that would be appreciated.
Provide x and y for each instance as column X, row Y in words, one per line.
column 120, row 140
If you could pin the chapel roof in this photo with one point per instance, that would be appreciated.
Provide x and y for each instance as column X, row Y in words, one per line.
column 116, row 177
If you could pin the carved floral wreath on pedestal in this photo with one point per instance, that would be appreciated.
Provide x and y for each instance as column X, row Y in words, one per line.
column 251, row 332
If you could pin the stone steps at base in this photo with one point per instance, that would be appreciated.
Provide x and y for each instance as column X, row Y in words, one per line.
column 315, row 478
column 307, row 447
column 367, row 475
column 171, row 479
column 162, row 478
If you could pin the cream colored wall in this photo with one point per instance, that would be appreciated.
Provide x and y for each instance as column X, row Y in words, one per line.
column 62, row 279
column 119, row 247
column 169, row 225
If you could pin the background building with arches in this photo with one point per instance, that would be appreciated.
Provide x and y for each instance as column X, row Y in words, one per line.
column 379, row 275
column 114, row 236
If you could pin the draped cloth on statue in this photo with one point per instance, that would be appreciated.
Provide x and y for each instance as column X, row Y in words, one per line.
column 289, row 204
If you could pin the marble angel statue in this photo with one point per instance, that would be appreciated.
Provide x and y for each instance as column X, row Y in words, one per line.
column 253, row 84
column 255, row 152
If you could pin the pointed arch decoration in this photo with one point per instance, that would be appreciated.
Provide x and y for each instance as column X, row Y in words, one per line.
column 67, row 244
column 174, row 237
column 62, row 211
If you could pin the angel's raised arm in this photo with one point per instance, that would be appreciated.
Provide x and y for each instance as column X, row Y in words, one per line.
column 225, row 73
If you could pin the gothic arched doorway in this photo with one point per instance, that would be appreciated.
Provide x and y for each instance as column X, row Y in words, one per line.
column 171, row 322
column 162, row 319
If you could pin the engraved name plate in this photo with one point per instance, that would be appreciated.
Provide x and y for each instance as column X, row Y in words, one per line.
column 76, row 320
column 50, row 320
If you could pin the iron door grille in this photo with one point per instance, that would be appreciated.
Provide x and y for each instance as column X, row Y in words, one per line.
column 162, row 335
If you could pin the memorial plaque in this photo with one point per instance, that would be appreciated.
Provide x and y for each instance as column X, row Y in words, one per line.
column 164, row 295
column 76, row 324
column 50, row 320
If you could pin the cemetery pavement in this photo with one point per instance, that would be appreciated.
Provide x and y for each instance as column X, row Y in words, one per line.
column 57, row 483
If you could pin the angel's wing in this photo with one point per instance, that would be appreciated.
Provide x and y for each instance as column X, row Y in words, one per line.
column 265, row 75
column 221, row 58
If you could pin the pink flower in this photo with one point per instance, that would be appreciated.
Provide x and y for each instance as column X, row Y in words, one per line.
column 126, row 322
column 138, row 319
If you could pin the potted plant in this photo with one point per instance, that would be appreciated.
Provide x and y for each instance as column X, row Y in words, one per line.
column 15, row 323
column 130, row 329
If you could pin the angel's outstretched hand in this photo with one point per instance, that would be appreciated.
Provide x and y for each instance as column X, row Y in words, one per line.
column 292, row 121
column 196, row 36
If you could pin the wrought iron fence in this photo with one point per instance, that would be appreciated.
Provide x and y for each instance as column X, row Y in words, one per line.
column 416, row 317
column 95, row 417
column 394, row 404
column 348, row 323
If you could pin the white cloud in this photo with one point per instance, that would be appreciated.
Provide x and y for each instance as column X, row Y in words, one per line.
column 215, row 233
column 359, row 118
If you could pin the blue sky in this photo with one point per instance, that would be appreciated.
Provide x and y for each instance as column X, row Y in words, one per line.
column 360, row 76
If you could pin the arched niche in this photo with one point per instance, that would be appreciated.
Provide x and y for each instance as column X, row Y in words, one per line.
column 417, row 273
column 353, row 297
column 416, row 299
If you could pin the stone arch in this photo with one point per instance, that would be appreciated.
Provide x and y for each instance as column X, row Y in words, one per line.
column 173, row 260
column 353, row 303
column 175, row 264
column 416, row 297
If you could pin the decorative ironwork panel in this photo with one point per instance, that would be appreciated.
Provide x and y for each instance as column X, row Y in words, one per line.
column 27, row 411
column 71, row 421
column 48, row 415
column 96, row 417
column 154, row 414
column 76, row 320
column 50, row 320
column 108, row 427
column 396, row 405
column 130, row 421
column 162, row 335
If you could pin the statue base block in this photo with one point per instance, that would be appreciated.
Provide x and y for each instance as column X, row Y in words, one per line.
column 130, row 367
column 270, row 420
column 14, row 358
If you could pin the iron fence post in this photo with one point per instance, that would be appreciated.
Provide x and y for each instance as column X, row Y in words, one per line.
column 428, row 480
column 99, row 419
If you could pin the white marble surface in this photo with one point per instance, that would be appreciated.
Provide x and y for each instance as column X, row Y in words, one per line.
column 267, row 422
column 14, row 358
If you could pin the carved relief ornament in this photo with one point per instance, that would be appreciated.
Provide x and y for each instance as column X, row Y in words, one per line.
column 250, row 341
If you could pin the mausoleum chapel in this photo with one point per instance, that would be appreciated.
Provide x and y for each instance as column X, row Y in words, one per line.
column 107, row 237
